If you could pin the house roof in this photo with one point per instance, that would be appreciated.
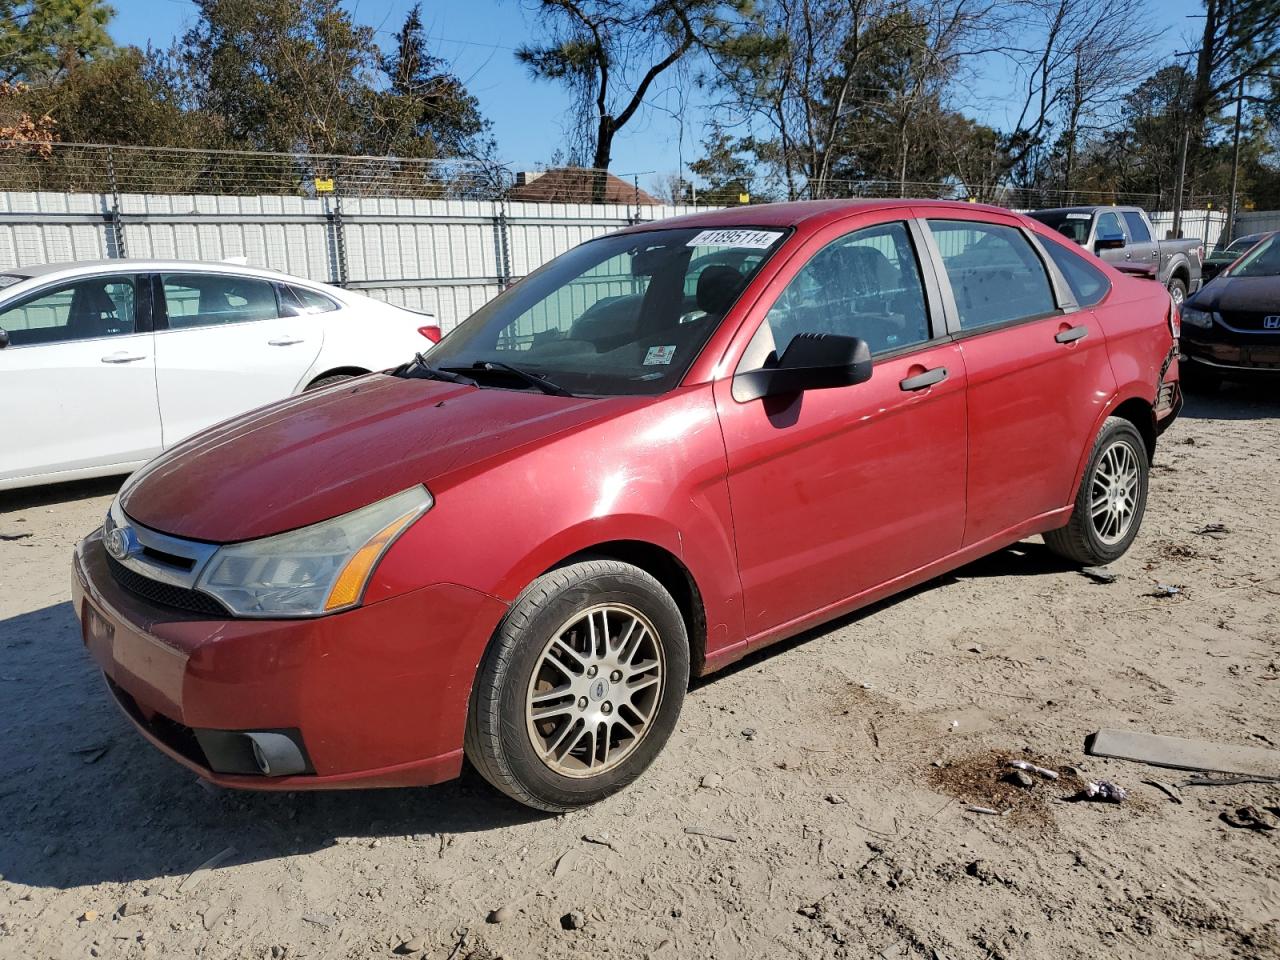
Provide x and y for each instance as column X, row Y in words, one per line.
column 578, row 185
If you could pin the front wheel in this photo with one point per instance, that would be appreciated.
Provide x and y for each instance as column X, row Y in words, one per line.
column 581, row 686
column 1112, row 498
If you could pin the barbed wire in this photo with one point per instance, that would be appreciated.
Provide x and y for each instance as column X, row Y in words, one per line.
column 125, row 169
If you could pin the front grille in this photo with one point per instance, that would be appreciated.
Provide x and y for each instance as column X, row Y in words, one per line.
column 164, row 594
column 1249, row 322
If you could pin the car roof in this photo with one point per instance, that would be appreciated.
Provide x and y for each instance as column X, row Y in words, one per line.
column 72, row 268
column 793, row 213
column 1089, row 208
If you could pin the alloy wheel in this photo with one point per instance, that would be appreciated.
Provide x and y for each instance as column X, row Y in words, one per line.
column 595, row 690
column 1114, row 492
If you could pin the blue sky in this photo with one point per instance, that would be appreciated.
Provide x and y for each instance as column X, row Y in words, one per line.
column 478, row 38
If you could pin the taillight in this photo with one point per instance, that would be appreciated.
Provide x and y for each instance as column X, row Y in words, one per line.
column 431, row 332
column 1175, row 319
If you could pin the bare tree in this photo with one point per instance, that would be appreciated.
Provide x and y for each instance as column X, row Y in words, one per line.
column 609, row 53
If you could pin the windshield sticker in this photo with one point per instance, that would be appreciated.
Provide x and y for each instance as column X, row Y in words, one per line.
column 1079, row 216
column 759, row 239
column 659, row 355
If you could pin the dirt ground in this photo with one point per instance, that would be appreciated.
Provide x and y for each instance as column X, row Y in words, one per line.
column 830, row 777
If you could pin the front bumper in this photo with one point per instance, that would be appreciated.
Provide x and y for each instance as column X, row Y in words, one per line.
column 376, row 696
column 1233, row 358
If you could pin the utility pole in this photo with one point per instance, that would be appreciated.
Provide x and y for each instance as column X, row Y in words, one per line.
column 1182, row 174
column 1235, row 167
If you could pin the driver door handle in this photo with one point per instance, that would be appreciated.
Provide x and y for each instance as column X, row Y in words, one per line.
column 122, row 357
column 1072, row 335
column 285, row 341
column 926, row 379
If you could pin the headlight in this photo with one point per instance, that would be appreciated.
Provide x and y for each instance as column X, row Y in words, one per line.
column 1198, row 318
column 318, row 569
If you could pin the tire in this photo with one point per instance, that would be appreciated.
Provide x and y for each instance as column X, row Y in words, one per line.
column 526, row 757
column 1090, row 541
column 1178, row 290
column 329, row 380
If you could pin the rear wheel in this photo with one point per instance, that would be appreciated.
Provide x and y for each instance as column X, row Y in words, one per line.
column 1112, row 498
column 329, row 380
column 581, row 686
column 1178, row 290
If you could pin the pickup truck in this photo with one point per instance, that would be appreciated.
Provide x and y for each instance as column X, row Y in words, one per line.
column 1124, row 237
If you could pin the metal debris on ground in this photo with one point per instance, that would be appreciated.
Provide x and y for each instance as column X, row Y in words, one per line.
column 1183, row 754
column 1166, row 788
column 1164, row 590
column 1215, row 530
column 986, row 810
column 1248, row 817
column 197, row 875
column 1032, row 768
column 1099, row 574
column 696, row 832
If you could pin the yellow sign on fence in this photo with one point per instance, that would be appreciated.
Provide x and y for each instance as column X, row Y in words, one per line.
column 324, row 184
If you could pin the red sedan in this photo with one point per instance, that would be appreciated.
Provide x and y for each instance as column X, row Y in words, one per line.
column 666, row 448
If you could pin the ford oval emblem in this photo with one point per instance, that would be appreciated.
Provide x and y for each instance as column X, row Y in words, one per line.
column 119, row 542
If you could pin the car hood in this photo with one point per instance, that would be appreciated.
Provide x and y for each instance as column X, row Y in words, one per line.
column 1238, row 295
column 326, row 453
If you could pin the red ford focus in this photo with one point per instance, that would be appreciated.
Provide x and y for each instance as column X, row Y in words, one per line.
column 666, row 448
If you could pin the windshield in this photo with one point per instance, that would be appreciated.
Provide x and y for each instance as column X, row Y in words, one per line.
column 1262, row 261
column 1072, row 224
column 625, row 314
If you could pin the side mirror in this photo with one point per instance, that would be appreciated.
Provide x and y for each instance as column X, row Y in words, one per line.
column 812, row 361
column 4, row 338
column 1108, row 241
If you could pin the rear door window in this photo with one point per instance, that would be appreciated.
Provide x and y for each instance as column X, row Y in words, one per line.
column 84, row 310
column 211, row 299
column 995, row 273
column 1138, row 232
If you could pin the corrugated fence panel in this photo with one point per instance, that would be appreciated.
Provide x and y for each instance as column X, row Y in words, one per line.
column 437, row 256
column 1259, row 221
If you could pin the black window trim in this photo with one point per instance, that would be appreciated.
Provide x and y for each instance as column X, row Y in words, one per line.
column 142, row 318
column 1062, row 295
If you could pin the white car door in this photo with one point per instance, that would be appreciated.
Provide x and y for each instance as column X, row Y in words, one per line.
column 222, row 347
column 77, row 380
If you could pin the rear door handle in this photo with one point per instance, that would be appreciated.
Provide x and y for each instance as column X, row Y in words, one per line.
column 285, row 341
column 122, row 357
column 1072, row 335
column 926, row 379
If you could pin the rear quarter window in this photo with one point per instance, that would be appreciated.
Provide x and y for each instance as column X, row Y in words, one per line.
column 1087, row 282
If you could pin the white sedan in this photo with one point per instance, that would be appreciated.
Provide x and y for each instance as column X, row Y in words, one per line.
column 103, row 365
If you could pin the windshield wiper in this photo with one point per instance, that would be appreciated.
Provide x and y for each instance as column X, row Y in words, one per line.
column 432, row 373
column 534, row 379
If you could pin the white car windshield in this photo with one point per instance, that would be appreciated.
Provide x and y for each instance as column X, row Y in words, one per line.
column 625, row 314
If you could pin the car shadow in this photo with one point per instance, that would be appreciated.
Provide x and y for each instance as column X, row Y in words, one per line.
column 1235, row 400
column 85, row 800
column 1025, row 558
column 27, row 497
